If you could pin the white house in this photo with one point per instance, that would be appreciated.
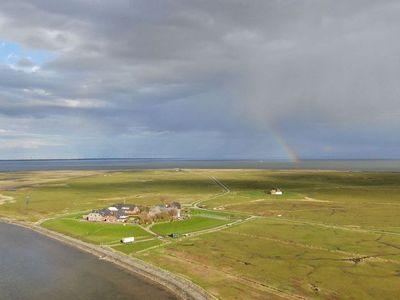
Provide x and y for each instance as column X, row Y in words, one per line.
column 276, row 191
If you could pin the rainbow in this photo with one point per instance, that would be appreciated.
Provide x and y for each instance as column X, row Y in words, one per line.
column 290, row 152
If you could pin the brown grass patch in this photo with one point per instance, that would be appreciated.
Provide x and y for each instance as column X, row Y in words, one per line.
column 6, row 199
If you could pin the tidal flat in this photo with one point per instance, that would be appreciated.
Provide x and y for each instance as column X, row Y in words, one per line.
column 36, row 267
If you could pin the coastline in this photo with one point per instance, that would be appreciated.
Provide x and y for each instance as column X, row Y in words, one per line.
column 182, row 288
column 389, row 165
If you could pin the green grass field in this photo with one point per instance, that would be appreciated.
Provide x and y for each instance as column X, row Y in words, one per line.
column 96, row 233
column 217, row 214
column 196, row 223
column 332, row 235
column 98, row 189
column 235, row 259
column 137, row 246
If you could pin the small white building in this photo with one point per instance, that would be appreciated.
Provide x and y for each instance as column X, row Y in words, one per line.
column 276, row 191
column 128, row 240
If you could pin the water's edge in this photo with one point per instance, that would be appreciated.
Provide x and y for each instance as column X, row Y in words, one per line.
column 138, row 164
column 179, row 286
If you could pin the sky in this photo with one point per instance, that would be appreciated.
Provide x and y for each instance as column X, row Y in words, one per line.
column 210, row 79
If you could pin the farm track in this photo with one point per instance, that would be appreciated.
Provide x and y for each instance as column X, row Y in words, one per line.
column 226, row 190
column 148, row 229
column 223, row 186
column 164, row 243
column 221, row 227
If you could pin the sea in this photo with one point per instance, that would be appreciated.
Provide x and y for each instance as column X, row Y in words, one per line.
column 149, row 163
column 35, row 267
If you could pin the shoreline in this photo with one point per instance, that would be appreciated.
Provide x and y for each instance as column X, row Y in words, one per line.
column 178, row 286
column 126, row 164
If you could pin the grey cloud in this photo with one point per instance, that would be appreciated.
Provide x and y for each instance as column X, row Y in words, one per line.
column 226, row 68
column 25, row 63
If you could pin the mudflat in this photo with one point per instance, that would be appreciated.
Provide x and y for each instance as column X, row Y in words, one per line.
column 36, row 267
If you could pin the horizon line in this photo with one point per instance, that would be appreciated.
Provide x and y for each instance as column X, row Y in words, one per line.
column 197, row 159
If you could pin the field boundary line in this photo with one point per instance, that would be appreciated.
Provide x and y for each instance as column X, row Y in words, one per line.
column 226, row 190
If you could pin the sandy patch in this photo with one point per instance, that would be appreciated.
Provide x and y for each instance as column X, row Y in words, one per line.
column 219, row 208
column 51, row 185
column 6, row 199
column 258, row 200
column 114, row 198
column 308, row 199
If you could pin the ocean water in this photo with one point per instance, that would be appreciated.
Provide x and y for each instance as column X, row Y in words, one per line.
column 123, row 164
column 35, row 267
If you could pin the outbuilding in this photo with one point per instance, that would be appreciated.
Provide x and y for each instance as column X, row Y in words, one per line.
column 128, row 240
column 276, row 191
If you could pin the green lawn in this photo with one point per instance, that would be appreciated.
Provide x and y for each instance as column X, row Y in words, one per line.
column 215, row 214
column 195, row 223
column 96, row 233
column 136, row 246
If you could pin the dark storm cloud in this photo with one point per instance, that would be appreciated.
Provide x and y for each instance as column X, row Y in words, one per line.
column 227, row 70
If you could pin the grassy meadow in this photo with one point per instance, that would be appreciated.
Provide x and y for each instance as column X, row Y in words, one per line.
column 98, row 189
column 332, row 235
column 195, row 223
column 135, row 247
column 96, row 233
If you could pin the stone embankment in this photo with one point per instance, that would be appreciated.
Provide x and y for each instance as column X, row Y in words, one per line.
column 181, row 287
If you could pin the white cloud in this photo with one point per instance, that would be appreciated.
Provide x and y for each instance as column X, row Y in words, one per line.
column 27, row 144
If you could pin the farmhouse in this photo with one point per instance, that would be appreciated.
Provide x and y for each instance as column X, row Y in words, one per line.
column 95, row 216
column 122, row 212
column 276, row 191
column 129, row 209
column 114, row 213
